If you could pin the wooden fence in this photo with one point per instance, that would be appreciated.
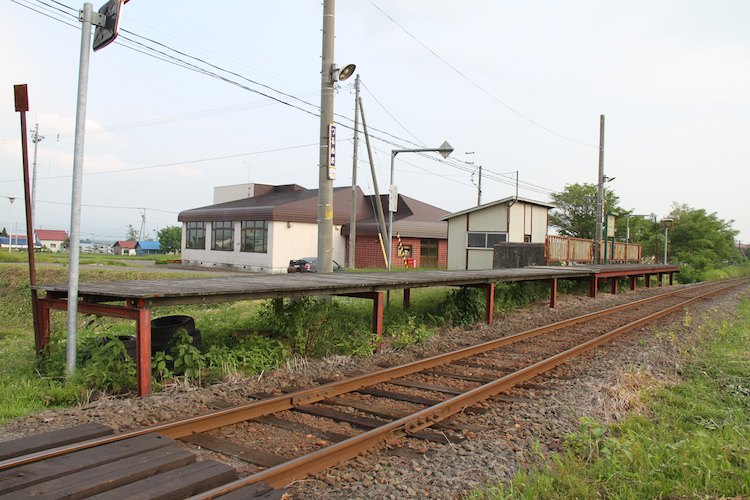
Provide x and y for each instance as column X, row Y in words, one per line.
column 579, row 250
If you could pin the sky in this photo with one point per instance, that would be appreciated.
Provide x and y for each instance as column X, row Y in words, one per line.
column 194, row 95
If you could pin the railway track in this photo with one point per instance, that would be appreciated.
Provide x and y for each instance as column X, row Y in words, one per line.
column 283, row 437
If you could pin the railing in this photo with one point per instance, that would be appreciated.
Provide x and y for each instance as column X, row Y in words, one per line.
column 572, row 250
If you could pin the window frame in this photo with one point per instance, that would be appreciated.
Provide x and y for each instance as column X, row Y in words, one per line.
column 485, row 235
column 201, row 237
column 258, row 226
column 217, row 226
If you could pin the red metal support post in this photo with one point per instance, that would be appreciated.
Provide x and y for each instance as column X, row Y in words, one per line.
column 143, row 351
column 633, row 279
column 407, row 298
column 377, row 317
column 553, row 293
column 660, row 279
column 647, row 279
column 593, row 285
column 671, row 276
column 44, row 326
column 613, row 285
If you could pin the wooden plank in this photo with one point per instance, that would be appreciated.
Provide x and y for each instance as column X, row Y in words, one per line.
column 258, row 491
column 371, row 423
column 52, row 439
column 177, row 483
column 252, row 455
column 399, row 396
column 426, row 386
column 90, row 482
column 301, row 428
column 46, row 470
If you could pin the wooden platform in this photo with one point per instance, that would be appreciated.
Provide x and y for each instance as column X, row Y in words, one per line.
column 134, row 299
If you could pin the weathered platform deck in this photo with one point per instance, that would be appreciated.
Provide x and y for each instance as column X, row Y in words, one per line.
column 101, row 298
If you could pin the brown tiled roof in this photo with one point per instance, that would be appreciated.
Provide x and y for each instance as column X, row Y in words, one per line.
column 413, row 218
column 125, row 244
column 51, row 234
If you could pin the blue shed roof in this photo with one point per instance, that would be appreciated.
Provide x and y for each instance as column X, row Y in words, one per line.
column 149, row 245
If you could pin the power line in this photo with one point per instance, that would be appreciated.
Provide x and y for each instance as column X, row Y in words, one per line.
column 475, row 84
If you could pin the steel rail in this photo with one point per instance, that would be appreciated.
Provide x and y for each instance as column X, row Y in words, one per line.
column 201, row 423
column 283, row 474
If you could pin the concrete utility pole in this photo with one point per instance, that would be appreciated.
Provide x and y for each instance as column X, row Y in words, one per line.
column 10, row 225
column 599, row 194
column 353, row 216
column 325, row 182
column 36, row 139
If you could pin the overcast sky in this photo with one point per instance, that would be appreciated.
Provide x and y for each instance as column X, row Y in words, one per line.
column 520, row 84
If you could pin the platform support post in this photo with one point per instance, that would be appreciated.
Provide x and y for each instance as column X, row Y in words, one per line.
column 593, row 285
column 660, row 279
column 407, row 298
column 44, row 326
column 489, row 294
column 613, row 285
column 632, row 282
column 647, row 280
column 143, row 350
column 553, row 293
column 671, row 277
column 377, row 317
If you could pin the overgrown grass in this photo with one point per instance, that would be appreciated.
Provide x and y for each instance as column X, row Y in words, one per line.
column 694, row 442
column 86, row 258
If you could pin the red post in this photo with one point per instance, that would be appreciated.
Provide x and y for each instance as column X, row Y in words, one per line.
column 632, row 282
column 489, row 294
column 377, row 317
column 671, row 276
column 660, row 279
column 613, row 285
column 143, row 351
column 407, row 298
column 44, row 326
column 593, row 285
column 647, row 279
column 553, row 292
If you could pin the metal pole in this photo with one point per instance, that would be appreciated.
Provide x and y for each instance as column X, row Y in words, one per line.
column 10, row 225
column 325, row 184
column 353, row 216
column 86, row 17
column 479, row 187
column 599, row 193
column 378, row 204
column 627, row 237
column 22, row 105
column 36, row 139
column 390, row 216
column 666, row 236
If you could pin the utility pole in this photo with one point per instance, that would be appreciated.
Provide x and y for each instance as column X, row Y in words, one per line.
column 325, row 182
column 10, row 225
column 36, row 139
column 599, row 194
column 353, row 216
column 479, row 187
column 143, row 225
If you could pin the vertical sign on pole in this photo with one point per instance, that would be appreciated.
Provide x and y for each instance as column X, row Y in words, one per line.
column 332, row 151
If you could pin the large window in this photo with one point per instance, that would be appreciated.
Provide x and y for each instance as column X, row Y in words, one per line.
column 485, row 240
column 223, row 236
column 196, row 235
column 254, row 236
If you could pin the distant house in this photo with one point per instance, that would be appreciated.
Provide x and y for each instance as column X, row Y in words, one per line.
column 51, row 239
column 262, row 227
column 473, row 233
column 16, row 242
column 124, row 248
column 147, row 247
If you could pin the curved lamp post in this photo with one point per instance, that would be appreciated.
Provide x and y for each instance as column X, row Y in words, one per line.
column 445, row 150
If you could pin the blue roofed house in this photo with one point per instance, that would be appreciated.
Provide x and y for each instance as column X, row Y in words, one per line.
column 16, row 242
column 147, row 247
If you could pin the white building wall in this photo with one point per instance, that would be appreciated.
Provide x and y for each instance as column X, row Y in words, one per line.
column 286, row 241
column 457, row 243
column 480, row 258
column 539, row 228
column 491, row 219
column 52, row 245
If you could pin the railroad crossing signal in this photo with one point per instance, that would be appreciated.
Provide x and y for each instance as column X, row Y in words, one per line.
column 107, row 21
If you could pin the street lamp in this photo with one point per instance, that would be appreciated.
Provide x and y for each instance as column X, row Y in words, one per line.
column 627, row 232
column 445, row 150
column 666, row 223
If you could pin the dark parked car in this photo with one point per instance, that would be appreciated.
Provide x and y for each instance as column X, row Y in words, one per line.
column 309, row 265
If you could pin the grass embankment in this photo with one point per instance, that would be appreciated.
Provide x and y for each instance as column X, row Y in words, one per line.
column 86, row 258
column 692, row 441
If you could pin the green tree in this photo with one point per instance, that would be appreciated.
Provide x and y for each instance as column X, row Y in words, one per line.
column 4, row 233
column 575, row 210
column 170, row 239
column 701, row 241
column 132, row 234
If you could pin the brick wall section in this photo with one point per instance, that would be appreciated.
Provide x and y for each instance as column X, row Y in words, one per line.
column 370, row 255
